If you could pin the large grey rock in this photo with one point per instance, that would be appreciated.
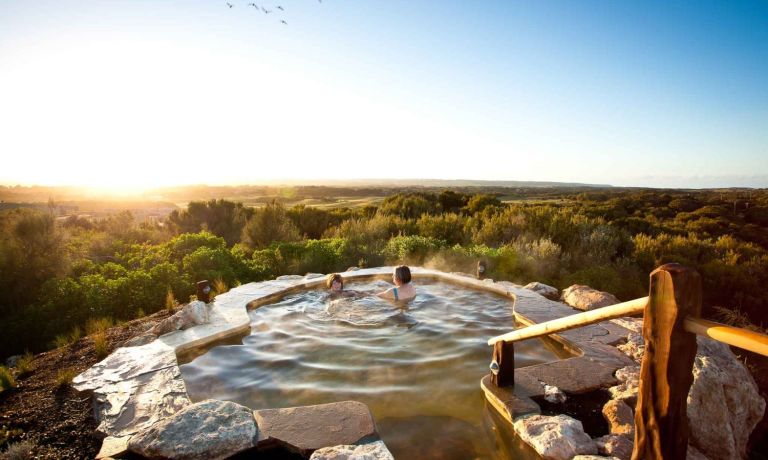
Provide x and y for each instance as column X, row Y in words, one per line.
column 372, row 451
column 620, row 417
column 614, row 445
column 309, row 428
column 193, row 314
column 585, row 298
column 209, row 429
column 724, row 404
column 555, row 437
column 550, row 292
column 170, row 324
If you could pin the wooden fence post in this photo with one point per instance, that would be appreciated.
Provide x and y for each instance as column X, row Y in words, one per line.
column 503, row 364
column 666, row 373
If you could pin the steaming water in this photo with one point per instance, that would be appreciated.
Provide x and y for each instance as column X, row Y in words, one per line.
column 417, row 365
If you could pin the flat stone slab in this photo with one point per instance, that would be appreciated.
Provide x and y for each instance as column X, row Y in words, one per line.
column 309, row 428
column 126, row 363
column 127, row 407
column 209, row 429
column 372, row 451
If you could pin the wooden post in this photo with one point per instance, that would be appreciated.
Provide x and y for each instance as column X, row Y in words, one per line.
column 503, row 373
column 482, row 269
column 666, row 374
column 203, row 291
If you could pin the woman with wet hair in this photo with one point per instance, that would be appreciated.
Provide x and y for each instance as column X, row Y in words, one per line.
column 403, row 289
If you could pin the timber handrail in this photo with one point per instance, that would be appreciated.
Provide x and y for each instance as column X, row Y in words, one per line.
column 632, row 307
column 737, row 337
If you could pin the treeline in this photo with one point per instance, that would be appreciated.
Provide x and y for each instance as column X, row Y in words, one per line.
column 56, row 275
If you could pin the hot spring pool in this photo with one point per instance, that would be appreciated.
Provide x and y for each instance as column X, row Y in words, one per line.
column 416, row 365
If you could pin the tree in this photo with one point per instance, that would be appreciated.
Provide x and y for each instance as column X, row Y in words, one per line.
column 268, row 225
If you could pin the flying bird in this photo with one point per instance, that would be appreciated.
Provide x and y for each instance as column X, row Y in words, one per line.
column 280, row 8
column 230, row 5
column 254, row 5
column 266, row 11
column 283, row 21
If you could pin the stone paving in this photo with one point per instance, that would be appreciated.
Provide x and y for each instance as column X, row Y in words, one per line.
column 136, row 387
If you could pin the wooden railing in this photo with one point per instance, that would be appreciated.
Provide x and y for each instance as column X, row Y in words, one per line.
column 671, row 320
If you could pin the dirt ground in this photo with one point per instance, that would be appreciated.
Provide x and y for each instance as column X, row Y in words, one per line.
column 58, row 419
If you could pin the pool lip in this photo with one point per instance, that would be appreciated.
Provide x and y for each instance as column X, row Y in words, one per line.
column 117, row 381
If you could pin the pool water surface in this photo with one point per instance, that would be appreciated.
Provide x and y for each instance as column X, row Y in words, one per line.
column 417, row 365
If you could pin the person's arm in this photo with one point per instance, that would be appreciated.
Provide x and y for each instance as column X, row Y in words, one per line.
column 388, row 294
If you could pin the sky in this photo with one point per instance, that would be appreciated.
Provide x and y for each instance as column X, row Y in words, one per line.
column 135, row 94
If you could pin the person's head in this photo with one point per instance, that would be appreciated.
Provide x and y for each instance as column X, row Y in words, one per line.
column 401, row 275
column 334, row 282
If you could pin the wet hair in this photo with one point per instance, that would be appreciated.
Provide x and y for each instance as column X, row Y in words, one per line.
column 333, row 277
column 403, row 274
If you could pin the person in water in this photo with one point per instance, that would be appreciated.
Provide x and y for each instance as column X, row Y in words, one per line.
column 403, row 289
column 335, row 283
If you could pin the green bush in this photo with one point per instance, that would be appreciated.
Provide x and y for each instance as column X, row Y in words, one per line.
column 412, row 249
column 6, row 379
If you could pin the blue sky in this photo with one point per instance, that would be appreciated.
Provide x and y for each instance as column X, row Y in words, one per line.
column 139, row 93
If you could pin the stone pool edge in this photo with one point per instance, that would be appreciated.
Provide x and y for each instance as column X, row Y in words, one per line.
column 136, row 387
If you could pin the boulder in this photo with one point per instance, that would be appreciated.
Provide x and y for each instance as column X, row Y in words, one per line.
column 620, row 417
column 209, row 429
column 557, row 437
column 551, row 293
column 586, row 298
column 309, row 428
column 614, row 445
column 193, row 314
column 289, row 278
column 629, row 382
column 371, row 451
column 694, row 454
column 554, row 395
column 166, row 326
column 724, row 404
column 311, row 276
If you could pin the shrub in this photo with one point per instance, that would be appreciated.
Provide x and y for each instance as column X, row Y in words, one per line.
column 100, row 345
column 98, row 325
column 219, row 287
column 65, row 340
column 64, row 377
column 18, row 451
column 269, row 225
column 170, row 301
column 6, row 379
column 412, row 249
column 25, row 366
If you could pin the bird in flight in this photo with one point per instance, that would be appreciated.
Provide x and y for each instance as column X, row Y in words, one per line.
column 266, row 11
column 283, row 21
column 230, row 5
column 280, row 8
column 254, row 5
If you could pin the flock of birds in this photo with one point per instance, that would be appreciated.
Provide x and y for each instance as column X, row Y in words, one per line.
column 263, row 9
